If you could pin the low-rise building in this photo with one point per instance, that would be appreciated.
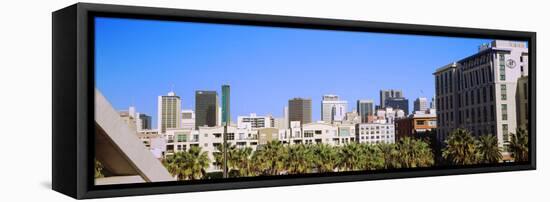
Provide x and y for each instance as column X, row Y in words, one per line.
column 374, row 133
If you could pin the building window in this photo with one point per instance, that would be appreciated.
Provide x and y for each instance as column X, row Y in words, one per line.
column 505, row 133
column 504, row 109
column 230, row 136
column 182, row 138
column 503, row 92
column 502, row 67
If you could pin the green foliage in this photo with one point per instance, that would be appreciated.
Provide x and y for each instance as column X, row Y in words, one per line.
column 461, row 148
column 519, row 145
column 98, row 169
column 188, row 165
column 488, row 150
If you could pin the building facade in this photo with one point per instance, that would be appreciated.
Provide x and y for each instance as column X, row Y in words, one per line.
column 187, row 119
column 206, row 109
column 420, row 104
column 169, row 112
column 390, row 93
column 333, row 109
column 365, row 108
column 375, row 133
column 256, row 121
column 398, row 103
column 522, row 102
column 478, row 92
column 299, row 109
column 415, row 125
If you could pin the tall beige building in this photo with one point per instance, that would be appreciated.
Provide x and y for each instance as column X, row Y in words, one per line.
column 478, row 92
column 169, row 112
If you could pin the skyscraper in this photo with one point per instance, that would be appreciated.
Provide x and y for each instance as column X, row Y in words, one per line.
column 478, row 92
column 206, row 108
column 390, row 93
column 398, row 103
column 421, row 104
column 169, row 111
column 145, row 121
column 365, row 108
column 226, row 115
column 299, row 109
column 333, row 109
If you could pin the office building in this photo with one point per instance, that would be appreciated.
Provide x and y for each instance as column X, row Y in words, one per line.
column 478, row 92
column 375, row 133
column 206, row 108
column 398, row 103
column 145, row 121
column 169, row 112
column 386, row 94
column 420, row 104
column 365, row 108
column 522, row 102
column 299, row 109
column 333, row 109
column 226, row 115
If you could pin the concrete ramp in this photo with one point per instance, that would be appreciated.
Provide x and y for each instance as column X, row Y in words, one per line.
column 120, row 151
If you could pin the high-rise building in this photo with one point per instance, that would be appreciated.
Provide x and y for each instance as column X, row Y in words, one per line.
column 522, row 102
column 390, row 93
column 226, row 115
column 145, row 121
column 299, row 109
column 398, row 103
column 432, row 103
column 169, row 112
column 365, row 108
column 333, row 109
column 187, row 119
column 421, row 104
column 478, row 92
column 206, row 108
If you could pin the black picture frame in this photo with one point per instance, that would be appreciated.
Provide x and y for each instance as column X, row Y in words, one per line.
column 73, row 103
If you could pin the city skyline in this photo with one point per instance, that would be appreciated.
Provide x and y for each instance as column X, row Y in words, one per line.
column 177, row 56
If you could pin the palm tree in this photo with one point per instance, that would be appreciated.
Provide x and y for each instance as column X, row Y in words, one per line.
column 324, row 158
column 461, row 148
column 98, row 169
column 519, row 145
column 269, row 159
column 414, row 153
column 372, row 156
column 218, row 155
column 239, row 161
column 350, row 157
column 299, row 159
column 488, row 149
column 190, row 165
column 390, row 155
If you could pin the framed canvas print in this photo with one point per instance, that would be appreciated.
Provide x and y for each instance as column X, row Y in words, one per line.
column 156, row 100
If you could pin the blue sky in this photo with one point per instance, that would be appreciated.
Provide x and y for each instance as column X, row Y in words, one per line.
column 138, row 60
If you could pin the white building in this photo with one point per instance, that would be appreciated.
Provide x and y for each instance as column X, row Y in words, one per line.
column 478, row 92
column 256, row 121
column 374, row 133
column 187, row 119
column 421, row 104
column 333, row 109
column 169, row 112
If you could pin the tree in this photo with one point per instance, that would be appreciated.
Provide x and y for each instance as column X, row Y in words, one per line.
column 269, row 159
column 350, row 158
column 390, row 155
column 519, row 145
column 299, row 159
column 372, row 156
column 414, row 153
column 239, row 161
column 324, row 158
column 190, row 165
column 98, row 169
column 488, row 150
column 460, row 148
